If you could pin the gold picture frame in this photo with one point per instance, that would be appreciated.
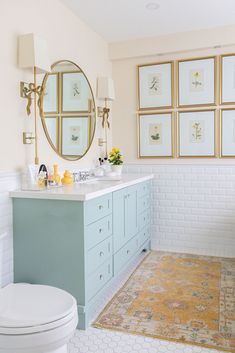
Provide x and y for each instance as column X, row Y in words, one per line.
column 77, row 112
column 171, row 63
column 221, row 132
column 221, row 80
column 158, row 113
column 62, row 135
column 215, row 133
column 178, row 104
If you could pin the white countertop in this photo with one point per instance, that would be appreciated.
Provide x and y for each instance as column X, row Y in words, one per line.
column 83, row 191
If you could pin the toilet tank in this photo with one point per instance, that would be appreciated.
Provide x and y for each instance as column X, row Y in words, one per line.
column 2, row 237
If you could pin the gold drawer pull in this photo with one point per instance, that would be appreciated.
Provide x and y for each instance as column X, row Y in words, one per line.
column 101, row 253
column 101, row 277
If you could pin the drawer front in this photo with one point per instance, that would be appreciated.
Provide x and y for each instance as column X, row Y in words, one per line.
column 99, row 278
column 96, row 232
column 144, row 188
column 97, row 208
column 144, row 235
column 143, row 203
column 144, row 219
column 125, row 254
column 98, row 255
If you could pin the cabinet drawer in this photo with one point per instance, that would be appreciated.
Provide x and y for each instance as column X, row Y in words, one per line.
column 98, row 255
column 144, row 188
column 143, row 203
column 144, row 235
column 144, row 219
column 97, row 208
column 96, row 232
column 125, row 254
column 99, row 278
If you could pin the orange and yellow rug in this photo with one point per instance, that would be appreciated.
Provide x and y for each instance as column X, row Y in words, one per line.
column 178, row 297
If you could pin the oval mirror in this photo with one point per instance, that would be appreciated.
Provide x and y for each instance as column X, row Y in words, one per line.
column 68, row 110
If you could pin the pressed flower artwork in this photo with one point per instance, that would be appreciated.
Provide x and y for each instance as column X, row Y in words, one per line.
column 155, row 134
column 196, row 80
column 155, row 84
column 197, row 131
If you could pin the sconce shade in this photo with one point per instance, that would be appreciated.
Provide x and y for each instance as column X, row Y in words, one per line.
column 32, row 52
column 105, row 88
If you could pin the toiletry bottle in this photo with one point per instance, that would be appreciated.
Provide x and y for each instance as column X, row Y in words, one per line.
column 56, row 174
column 42, row 176
column 51, row 181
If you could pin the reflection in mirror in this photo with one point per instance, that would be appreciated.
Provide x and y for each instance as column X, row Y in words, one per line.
column 68, row 108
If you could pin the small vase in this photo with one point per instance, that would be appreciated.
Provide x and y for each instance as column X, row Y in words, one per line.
column 117, row 169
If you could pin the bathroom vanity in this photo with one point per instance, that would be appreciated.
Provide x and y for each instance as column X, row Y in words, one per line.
column 81, row 237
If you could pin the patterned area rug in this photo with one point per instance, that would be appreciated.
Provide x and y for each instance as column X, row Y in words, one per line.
column 178, row 297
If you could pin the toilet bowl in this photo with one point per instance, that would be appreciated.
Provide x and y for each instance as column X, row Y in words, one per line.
column 36, row 319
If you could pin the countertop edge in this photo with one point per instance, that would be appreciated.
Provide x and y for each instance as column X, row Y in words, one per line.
column 46, row 195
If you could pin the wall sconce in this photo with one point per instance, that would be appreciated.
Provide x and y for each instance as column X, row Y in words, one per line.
column 32, row 54
column 105, row 91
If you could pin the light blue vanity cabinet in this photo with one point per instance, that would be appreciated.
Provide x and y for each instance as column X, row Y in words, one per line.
column 131, row 222
column 125, row 223
column 80, row 246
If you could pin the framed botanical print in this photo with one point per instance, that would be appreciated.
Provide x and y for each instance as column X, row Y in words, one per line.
column 155, row 135
column 196, row 133
column 155, row 86
column 75, row 135
column 227, row 131
column 75, row 93
column 197, row 82
column 227, row 79
column 50, row 95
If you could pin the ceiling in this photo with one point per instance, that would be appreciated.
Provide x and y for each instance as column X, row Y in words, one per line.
column 118, row 20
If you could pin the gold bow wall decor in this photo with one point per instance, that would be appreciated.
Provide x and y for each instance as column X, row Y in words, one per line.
column 105, row 117
column 30, row 90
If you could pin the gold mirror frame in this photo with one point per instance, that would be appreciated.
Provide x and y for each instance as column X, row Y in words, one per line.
column 56, row 114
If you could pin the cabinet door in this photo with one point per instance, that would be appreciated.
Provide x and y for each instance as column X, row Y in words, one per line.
column 131, row 221
column 119, row 218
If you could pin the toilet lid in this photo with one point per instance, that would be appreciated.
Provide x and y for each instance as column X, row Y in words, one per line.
column 25, row 305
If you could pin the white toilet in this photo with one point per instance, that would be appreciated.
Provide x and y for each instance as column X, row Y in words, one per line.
column 36, row 319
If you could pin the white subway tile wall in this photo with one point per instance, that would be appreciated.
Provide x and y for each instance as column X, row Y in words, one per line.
column 8, row 181
column 193, row 208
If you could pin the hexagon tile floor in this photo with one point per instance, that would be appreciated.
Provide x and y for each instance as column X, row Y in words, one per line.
column 95, row 340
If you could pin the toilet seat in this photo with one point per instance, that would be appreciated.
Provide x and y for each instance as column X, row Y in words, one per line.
column 27, row 309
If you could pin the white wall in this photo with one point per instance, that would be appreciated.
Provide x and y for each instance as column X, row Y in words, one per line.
column 193, row 199
column 8, row 181
column 67, row 38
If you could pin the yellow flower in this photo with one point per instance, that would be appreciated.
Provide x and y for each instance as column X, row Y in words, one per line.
column 115, row 150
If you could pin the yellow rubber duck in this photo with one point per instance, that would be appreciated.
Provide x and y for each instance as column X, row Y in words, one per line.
column 67, row 178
